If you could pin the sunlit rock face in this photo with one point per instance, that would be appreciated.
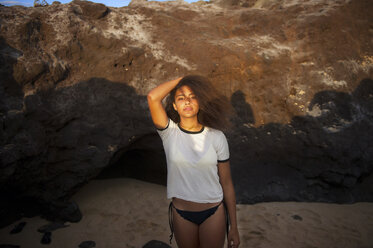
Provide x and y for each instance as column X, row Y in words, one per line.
column 299, row 75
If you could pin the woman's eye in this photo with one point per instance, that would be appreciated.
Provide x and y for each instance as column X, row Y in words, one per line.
column 180, row 98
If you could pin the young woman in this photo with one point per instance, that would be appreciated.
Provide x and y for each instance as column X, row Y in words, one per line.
column 198, row 170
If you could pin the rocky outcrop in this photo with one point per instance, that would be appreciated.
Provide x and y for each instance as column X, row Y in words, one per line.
column 74, row 79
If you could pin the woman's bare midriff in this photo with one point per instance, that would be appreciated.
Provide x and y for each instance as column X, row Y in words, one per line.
column 191, row 206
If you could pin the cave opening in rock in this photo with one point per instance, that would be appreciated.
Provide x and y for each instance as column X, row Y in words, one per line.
column 143, row 159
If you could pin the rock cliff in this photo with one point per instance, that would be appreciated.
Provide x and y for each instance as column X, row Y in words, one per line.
column 74, row 79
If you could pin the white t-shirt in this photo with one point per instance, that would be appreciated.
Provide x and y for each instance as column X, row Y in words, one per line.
column 192, row 157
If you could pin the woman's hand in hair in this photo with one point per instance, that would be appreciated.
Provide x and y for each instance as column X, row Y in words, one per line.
column 155, row 97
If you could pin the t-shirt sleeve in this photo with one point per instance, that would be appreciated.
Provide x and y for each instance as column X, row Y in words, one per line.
column 222, row 148
column 166, row 132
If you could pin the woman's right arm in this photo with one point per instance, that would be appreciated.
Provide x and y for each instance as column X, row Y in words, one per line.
column 155, row 97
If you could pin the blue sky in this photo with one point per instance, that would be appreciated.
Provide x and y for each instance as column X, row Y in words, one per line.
column 30, row 3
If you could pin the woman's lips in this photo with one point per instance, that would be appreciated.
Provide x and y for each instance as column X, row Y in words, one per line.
column 188, row 109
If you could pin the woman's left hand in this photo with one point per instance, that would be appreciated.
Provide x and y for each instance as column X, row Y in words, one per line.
column 233, row 238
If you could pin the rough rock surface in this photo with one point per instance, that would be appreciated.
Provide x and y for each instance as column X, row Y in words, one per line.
column 74, row 79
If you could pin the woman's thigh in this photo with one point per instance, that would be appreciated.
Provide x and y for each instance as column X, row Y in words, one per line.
column 212, row 230
column 186, row 232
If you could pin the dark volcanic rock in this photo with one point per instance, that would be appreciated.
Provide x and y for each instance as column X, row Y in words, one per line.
column 297, row 217
column 46, row 239
column 62, row 211
column 52, row 227
column 87, row 244
column 156, row 244
column 18, row 228
column 74, row 79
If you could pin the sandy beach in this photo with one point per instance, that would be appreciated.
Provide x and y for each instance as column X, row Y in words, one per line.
column 126, row 213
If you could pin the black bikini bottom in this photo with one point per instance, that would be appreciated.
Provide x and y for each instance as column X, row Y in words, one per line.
column 196, row 217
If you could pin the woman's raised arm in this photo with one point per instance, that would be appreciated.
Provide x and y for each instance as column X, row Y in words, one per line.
column 155, row 97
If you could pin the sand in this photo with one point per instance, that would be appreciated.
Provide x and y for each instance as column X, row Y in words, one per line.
column 123, row 213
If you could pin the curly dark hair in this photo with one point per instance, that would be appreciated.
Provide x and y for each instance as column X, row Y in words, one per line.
column 214, row 108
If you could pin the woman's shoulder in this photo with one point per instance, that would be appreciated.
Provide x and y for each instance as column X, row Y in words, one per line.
column 216, row 132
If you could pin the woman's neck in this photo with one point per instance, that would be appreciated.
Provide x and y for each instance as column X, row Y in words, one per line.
column 190, row 124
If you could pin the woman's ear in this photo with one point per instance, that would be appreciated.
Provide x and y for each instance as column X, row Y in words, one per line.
column 173, row 104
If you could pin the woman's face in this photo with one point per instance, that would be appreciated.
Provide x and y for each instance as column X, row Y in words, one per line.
column 186, row 103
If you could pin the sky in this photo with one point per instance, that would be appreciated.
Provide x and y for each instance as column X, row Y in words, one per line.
column 111, row 3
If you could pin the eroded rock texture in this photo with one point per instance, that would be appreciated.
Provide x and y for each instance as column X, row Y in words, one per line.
column 298, row 73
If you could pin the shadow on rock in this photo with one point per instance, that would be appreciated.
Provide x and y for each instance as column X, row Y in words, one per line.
column 64, row 138
column 326, row 155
